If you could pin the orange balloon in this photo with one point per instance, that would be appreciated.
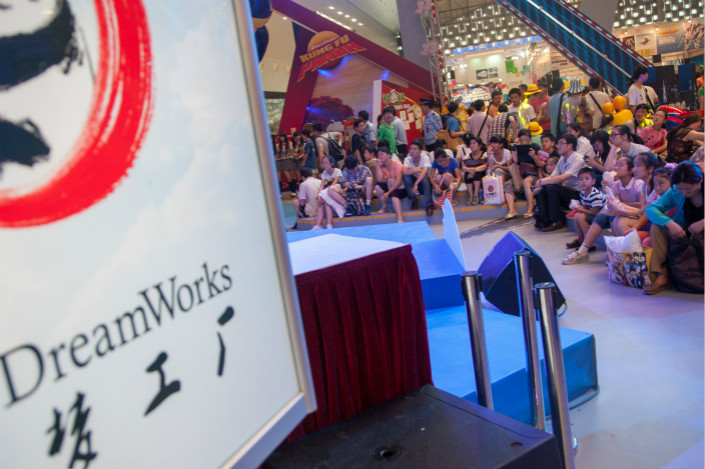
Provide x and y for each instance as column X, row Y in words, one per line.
column 622, row 117
column 607, row 108
column 619, row 102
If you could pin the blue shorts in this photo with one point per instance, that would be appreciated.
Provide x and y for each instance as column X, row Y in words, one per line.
column 603, row 220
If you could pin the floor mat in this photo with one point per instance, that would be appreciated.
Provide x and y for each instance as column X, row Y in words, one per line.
column 499, row 224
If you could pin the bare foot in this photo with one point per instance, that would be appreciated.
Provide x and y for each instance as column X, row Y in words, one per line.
column 382, row 210
column 400, row 219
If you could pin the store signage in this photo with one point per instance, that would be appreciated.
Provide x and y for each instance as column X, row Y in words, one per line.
column 325, row 51
column 497, row 45
column 147, row 315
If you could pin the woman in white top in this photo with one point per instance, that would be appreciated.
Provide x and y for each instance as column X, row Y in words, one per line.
column 636, row 93
column 329, row 197
column 498, row 158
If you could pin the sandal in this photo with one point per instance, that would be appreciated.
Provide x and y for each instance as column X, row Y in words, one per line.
column 475, row 200
column 528, row 215
column 429, row 210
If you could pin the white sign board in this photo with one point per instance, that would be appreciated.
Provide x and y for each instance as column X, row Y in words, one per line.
column 147, row 312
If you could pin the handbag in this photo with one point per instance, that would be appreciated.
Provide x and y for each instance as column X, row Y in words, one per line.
column 629, row 268
column 493, row 189
column 452, row 142
column 685, row 262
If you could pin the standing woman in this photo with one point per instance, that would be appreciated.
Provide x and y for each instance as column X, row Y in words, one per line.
column 654, row 135
column 686, row 195
column 286, row 165
column 680, row 139
column 297, row 148
column 636, row 93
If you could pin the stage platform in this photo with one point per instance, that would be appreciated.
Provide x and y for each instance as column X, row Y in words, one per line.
column 451, row 360
column 449, row 340
column 462, row 212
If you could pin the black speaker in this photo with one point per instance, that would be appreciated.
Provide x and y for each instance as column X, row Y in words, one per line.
column 425, row 428
column 499, row 282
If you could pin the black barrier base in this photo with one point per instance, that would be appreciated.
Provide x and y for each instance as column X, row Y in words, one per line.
column 426, row 428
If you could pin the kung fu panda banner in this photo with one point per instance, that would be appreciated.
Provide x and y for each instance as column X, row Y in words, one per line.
column 142, row 314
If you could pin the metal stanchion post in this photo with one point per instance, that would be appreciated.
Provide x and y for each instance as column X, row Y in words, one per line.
column 472, row 286
column 528, row 316
column 555, row 372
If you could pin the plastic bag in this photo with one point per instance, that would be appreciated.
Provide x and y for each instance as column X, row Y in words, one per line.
column 629, row 243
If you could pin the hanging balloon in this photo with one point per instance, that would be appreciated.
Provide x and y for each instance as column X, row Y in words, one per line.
column 619, row 102
column 607, row 108
column 261, row 39
column 261, row 13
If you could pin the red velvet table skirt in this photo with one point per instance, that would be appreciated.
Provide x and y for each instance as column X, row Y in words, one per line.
column 365, row 327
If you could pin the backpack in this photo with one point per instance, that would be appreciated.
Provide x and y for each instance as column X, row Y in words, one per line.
column 685, row 261
column 334, row 149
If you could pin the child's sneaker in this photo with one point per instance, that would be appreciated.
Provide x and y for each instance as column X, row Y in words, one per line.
column 329, row 226
column 317, row 227
column 368, row 209
column 576, row 258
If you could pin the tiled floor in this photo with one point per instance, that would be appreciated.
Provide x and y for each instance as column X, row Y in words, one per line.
column 649, row 412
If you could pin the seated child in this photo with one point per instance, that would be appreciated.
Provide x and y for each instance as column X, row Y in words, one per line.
column 662, row 183
column 591, row 201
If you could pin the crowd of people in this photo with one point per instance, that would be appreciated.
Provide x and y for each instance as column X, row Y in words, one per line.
column 554, row 147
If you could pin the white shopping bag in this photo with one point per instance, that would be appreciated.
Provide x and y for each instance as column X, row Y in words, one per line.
column 493, row 188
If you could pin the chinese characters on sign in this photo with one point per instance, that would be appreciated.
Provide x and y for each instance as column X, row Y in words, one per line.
column 78, row 427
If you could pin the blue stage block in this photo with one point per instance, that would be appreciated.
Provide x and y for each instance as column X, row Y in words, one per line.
column 409, row 232
column 440, row 273
column 452, row 368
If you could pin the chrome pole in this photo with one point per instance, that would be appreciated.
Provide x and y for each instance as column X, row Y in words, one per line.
column 555, row 373
column 527, row 311
column 472, row 286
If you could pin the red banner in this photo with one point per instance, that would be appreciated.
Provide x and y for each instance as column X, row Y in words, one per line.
column 407, row 102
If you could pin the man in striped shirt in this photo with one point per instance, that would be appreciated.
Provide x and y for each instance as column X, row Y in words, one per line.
column 500, row 123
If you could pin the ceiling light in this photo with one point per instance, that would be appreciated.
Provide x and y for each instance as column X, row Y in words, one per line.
column 359, row 24
column 340, row 12
column 353, row 20
column 347, row 16
column 331, row 8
